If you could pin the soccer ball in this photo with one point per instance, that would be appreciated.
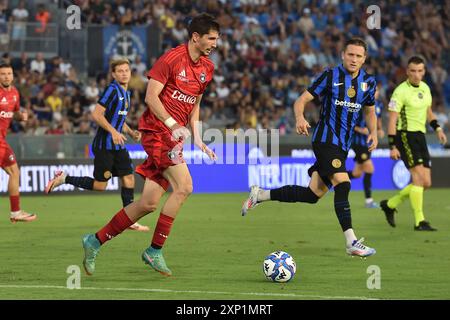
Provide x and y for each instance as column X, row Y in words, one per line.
column 279, row 266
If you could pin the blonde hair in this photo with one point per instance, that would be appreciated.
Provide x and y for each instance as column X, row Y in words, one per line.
column 118, row 62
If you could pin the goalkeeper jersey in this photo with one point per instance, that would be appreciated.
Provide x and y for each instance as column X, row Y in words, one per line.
column 411, row 102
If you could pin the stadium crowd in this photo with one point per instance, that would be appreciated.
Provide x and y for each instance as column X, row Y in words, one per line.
column 268, row 53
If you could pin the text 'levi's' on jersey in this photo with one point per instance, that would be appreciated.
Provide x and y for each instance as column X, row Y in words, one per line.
column 184, row 81
column 342, row 99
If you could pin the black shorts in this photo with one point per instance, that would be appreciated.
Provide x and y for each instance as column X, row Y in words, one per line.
column 413, row 148
column 111, row 163
column 330, row 159
column 362, row 153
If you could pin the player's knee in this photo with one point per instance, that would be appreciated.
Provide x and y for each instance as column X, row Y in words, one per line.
column 148, row 207
column 184, row 190
column 310, row 196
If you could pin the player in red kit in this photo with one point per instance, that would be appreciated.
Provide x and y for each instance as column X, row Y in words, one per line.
column 174, row 91
column 9, row 109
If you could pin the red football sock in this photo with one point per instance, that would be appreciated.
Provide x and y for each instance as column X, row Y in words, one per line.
column 117, row 224
column 15, row 203
column 162, row 231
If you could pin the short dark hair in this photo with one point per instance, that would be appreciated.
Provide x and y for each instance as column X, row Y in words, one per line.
column 356, row 42
column 202, row 24
column 416, row 60
column 5, row 65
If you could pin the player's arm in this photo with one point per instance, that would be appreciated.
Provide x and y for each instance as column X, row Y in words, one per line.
column 155, row 105
column 361, row 130
column 195, row 125
column 299, row 107
column 134, row 134
column 99, row 117
column 371, row 120
column 431, row 117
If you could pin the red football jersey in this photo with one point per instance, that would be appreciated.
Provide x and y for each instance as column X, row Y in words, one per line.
column 183, row 82
column 9, row 103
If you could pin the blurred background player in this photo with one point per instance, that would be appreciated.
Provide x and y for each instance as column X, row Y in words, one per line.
column 174, row 91
column 344, row 90
column 9, row 109
column 111, row 158
column 406, row 134
column 363, row 159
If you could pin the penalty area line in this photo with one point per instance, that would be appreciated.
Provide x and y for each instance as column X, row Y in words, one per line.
column 262, row 294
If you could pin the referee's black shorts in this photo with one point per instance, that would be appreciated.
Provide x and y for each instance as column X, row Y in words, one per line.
column 111, row 163
column 330, row 159
column 413, row 148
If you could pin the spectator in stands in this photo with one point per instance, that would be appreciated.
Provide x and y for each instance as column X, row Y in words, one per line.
column 38, row 64
column 43, row 17
column 19, row 18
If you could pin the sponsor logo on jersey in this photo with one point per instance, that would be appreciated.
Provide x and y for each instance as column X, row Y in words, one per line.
column 6, row 114
column 177, row 95
column 4, row 101
column 182, row 76
column 352, row 106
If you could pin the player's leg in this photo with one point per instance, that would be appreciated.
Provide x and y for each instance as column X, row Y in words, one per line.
column 368, row 169
column 316, row 189
column 17, row 215
column 356, row 172
column 342, row 186
column 123, row 219
column 181, row 182
column 103, row 166
column 421, row 177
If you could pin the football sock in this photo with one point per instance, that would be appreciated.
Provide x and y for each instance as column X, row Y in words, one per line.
column 14, row 202
column 342, row 206
column 416, row 199
column 293, row 194
column 162, row 231
column 127, row 196
column 263, row 195
column 81, row 182
column 367, row 183
column 395, row 201
column 114, row 227
column 350, row 174
column 349, row 236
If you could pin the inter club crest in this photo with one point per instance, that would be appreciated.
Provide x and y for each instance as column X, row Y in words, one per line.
column 202, row 77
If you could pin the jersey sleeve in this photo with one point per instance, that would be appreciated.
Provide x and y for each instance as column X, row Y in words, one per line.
column 160, row 71
column 319, row 86
column 107, row 97
column 396, row 102
column 370, row 101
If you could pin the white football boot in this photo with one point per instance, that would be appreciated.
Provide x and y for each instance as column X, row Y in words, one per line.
column 252, row 200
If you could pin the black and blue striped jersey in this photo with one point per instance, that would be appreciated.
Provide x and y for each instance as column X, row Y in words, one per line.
column 342, row 98
column 361, row 139
column 117, row 102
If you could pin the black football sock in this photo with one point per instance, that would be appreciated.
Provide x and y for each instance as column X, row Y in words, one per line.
column 342, row 206
column 367, row 183
column 81, row 182
column 293, row 194
column 127, row 196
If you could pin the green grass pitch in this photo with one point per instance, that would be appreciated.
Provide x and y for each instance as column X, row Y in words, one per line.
column 215, row 253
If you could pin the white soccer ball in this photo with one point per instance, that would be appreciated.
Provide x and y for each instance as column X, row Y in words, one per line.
column 279, row 266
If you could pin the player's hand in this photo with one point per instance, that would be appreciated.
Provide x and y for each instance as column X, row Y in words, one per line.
column 363, row 131
column 118, row 138
column 302, row 126
column 395, row 154
column 442, row 137
column 211, row 154
column 381, row 133
column 180, row 133
column 372, row 141
column 24, row 116
column 136, row 135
